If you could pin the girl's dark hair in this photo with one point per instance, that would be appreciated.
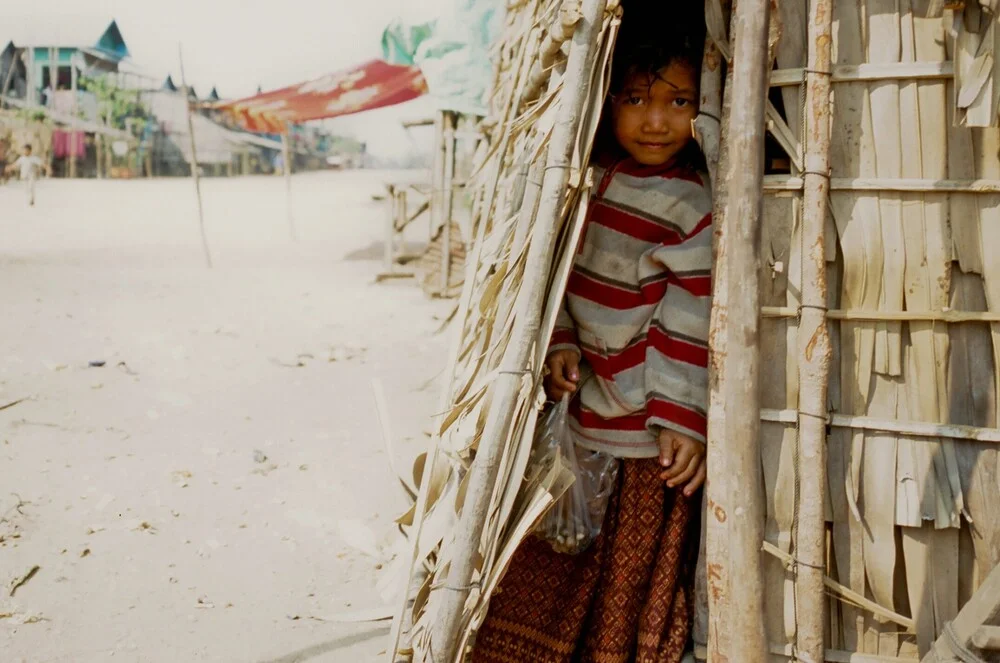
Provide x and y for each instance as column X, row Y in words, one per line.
column 651, row 40
column 653, row 37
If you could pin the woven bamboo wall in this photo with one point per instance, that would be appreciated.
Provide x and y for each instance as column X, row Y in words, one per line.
column 914, row 504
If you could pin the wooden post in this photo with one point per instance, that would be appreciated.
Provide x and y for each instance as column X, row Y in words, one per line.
column 194, row 161
column 437, row 173
column 814, row 343
column 73, row 125
column 388, row 259
column 99, row 151
column 739, row 322
column 286, row 151
column 447, row 632
column 711, row 588
column 447, row 203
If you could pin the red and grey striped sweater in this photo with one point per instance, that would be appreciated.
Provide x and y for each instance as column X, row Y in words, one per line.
column 637, row 309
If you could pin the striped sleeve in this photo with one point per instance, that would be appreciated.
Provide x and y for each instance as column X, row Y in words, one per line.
column 564, row 335
column 676, row 368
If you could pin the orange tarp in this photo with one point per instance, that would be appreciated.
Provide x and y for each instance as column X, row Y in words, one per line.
column 372, row 85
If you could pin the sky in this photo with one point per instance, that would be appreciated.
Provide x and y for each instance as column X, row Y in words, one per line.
column 237, row 45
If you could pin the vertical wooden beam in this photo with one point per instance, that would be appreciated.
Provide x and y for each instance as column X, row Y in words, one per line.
column 814, row 349
column 447, row 631
column 286, row 150
column 739, row 322
column 708, row 129
column 388, row 259
column 448, row 200
column 194, row 161
column 74, row 127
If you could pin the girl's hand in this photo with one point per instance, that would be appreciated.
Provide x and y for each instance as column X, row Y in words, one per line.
column 564, row 374
column 683, row 460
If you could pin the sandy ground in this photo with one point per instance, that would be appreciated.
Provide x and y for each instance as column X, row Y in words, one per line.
column 191, row 500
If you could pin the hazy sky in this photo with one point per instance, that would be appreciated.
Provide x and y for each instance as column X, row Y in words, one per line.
column 240, row 44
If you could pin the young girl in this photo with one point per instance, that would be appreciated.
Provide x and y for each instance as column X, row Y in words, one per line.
column 631, row 347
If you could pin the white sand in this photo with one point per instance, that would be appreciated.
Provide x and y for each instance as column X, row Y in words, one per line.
column 150, row 465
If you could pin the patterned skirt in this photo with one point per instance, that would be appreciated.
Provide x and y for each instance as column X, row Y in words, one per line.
column 629, row 597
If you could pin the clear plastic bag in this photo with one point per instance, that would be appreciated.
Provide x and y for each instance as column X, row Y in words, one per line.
column 574, row 521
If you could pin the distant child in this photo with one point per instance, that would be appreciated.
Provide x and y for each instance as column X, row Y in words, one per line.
column 29, row 167
column 631, row 347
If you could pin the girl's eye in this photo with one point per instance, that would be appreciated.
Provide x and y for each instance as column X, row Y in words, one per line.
column 682, row 103
column 633, row 100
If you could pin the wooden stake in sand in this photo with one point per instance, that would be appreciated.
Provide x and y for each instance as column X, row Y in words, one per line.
column 194, row 161
column 286, row 151
column 814, row 343
column 739, row 373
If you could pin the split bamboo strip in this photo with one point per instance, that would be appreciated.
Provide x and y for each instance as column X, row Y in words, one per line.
column 897, row 316
column 856, row 221
column 445, row 632
column 799, row 566
column 741, row 369
column 903, row 427
column 930, row 552
column 888, row 184
column 973, row 402
column 830, row 656
column 986, row 147
column 876, row 71
column 814, row 351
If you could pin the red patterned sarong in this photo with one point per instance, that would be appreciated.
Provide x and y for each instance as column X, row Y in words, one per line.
column 629, row 597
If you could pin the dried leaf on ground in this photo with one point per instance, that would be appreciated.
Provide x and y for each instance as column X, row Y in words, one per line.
column 16, row 583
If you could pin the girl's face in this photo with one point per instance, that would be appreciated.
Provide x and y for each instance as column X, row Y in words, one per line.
column 652, row 115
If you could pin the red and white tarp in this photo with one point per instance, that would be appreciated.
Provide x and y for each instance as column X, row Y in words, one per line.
column 374, row 84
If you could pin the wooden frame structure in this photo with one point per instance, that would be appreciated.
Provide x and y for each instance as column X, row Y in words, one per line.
column 853, row 504
column 441, row 276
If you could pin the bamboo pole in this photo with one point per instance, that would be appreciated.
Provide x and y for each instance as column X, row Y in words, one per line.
column 447, row 204
column 740, row 371
column 870, row 71
column 708, row 130
column 814, row 349
column 194, row 162
column 715, row 565
column 901, row 426
column 778, row 183
column 483, row 473
column 437, row 172
column 75, row 125
column 949, row 316
column 286, row 151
